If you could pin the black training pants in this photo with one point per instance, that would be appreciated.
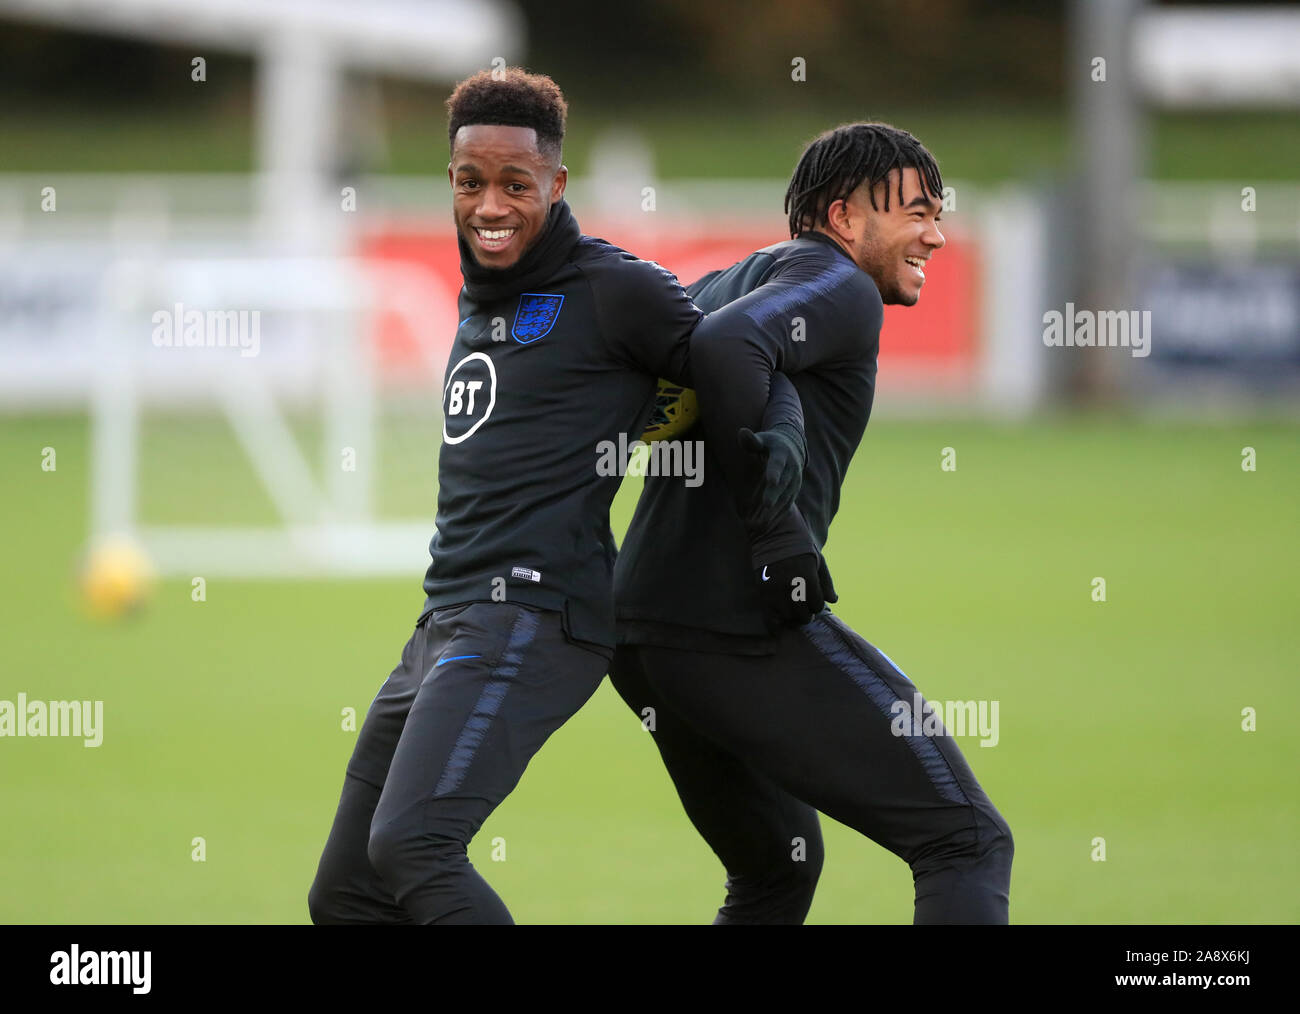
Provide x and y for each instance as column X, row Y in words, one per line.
column 479, row 689
column 757, row 744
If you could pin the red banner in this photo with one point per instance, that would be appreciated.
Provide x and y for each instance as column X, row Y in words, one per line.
column 930, row 346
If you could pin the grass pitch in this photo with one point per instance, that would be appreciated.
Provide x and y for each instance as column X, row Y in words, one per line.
column 1119, row 720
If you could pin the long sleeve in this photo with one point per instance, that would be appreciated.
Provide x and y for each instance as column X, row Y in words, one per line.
column 784, row 410
column 647, row 318
column 809, row 315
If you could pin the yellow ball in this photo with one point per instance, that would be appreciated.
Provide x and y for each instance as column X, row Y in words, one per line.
column 674, row 413
column 116, row 579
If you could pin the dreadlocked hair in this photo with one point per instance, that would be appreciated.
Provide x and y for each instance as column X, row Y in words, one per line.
column 840, row 160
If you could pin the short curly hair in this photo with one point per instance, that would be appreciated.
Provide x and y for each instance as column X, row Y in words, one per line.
column 513, row 98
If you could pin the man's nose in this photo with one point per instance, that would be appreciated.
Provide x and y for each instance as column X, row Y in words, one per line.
column 933, row 237
column 491, row 205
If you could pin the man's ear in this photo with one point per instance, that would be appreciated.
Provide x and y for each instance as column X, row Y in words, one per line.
column 559, row 183
column 451, row 176
column 839, row 219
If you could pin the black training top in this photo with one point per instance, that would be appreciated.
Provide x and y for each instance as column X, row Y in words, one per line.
column 686, row 571
column 552, row 357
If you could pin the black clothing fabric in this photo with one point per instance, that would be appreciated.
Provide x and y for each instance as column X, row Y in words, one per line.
column 753, row 745
column 685, row 575
column 480, row 687
column 552, row 359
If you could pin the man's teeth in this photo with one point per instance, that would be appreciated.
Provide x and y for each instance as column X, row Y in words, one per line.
column 495, row 233
column 916, row 262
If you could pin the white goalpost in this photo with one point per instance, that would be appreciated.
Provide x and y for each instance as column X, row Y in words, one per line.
column 284, row 286
column 305, row 346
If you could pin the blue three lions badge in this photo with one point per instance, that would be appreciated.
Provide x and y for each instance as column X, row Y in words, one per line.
column 535, row 316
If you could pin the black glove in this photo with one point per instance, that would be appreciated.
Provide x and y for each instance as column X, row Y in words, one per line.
column 778, row 462
column 791, row 589
column 828, row 587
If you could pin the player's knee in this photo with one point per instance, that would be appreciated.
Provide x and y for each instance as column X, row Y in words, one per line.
column 999, row 840
column 984, row 841
column 387, row 846
column 801, row 882
column 400, row 853
column 796, row 874
column 806, row 857
column 780, row 893
column 324, row 903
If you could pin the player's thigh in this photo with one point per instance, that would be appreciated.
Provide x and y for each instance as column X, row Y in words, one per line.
column 817, row 718
column 750, row 822
column 933, row 757
column 346, row 887
column 506, row 678
column 932, row 795
column 386, row 717
column 627, row 676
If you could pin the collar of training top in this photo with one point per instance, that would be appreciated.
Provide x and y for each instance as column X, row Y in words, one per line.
column 542, row 260
column 821, row 237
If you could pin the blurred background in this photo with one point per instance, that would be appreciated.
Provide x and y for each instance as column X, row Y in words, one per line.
column 222, row 539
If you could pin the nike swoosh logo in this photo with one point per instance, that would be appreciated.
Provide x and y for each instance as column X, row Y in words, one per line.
column 765, row 572
column 454, row 658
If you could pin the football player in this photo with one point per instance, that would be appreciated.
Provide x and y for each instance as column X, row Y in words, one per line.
column 517, row 627
column 767, row 707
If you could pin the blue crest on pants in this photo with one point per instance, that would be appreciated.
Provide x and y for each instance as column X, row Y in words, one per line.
column 535, row 317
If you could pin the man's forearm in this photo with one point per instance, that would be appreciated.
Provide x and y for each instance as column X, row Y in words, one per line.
column 734, row 369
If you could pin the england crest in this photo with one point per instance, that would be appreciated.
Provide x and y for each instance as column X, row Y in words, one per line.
column 535, row 316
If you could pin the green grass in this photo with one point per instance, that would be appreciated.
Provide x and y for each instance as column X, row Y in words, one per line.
column 1118, row 719
column 976, row 144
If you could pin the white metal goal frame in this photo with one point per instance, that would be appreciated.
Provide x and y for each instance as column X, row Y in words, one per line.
column 326, row 526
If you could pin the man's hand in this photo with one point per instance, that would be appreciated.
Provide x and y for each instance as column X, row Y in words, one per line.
column 791, row 590
column 778, row 462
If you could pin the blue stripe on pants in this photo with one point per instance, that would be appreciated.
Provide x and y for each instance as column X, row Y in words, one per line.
column 832, row 644
column 488, row 704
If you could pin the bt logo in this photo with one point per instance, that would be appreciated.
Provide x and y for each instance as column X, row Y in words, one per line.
column 468, row 397
column 455, row 399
